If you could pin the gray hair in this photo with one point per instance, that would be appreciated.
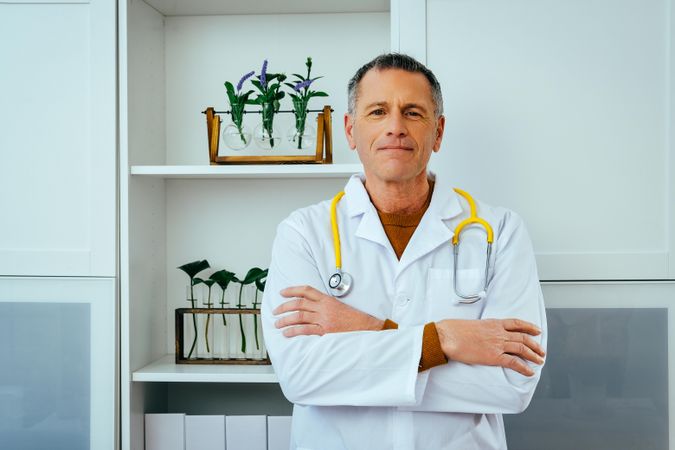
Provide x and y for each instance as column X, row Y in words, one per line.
column 396, row 61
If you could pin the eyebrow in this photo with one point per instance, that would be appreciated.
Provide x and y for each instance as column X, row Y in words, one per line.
column 405, row 106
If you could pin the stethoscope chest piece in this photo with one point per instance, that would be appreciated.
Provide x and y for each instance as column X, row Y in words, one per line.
column 340, row 283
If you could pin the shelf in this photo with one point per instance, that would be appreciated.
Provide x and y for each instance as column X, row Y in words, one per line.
column 210, row 7
column 166, row 370
column 250, row 171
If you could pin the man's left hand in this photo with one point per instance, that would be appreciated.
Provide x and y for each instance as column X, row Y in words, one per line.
column 318, row 313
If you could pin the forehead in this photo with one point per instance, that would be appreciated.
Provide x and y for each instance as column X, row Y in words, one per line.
column 394, row 85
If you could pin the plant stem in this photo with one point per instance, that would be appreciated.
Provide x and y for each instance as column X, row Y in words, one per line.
column 241, row 323
column 255, row 321
column 208, row 319
column 194, row 320
column 222, row 305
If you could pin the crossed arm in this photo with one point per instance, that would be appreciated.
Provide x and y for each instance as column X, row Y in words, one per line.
column 506, row 343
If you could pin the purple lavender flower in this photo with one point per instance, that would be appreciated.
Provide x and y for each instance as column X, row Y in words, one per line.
column 263, row 75
column 244, row 78
column 302, row 84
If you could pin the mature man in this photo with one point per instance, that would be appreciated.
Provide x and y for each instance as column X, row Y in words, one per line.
column 399, row 362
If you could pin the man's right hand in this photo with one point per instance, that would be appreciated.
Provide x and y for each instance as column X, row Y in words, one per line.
column 491, row 342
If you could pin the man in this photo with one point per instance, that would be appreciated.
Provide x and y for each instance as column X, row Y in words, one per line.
column 399, row 362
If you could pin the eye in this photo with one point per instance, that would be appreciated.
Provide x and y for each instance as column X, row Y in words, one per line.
column 377, row 112
column 414, row 113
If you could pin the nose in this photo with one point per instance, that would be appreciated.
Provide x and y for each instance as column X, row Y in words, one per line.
column 396, row 125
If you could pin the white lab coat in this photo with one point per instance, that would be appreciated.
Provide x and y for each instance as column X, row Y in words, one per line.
column 361, row 390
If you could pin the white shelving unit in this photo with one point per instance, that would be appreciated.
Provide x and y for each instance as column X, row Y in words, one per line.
column 176, row 208
column 166, row 370
column 250, row 171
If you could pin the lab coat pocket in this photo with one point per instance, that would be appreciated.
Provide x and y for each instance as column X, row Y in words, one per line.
column 444, row 303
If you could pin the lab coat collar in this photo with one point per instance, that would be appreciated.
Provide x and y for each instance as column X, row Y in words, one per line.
column 430, row 233
column 434, row 229
column 358, row 203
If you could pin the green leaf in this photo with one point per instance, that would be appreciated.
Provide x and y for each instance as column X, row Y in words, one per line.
column 254, row 274
column 193, row 268
column 208, row 282
column 229, row 87
column 318, row 94
column 260, row 285
column 257, row 84
column 260, row 282
column 196, row 281
column 223, row 278
column 290, row 85
column 280, row 95
column 299, row 76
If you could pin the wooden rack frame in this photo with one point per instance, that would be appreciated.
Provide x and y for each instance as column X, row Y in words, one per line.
column 324, row 144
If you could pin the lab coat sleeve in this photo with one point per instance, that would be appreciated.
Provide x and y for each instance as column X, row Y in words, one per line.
column 513, row 292
column 362, row 368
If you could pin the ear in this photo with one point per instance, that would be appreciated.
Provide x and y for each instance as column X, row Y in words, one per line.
column 349, row 130
column 440, row 126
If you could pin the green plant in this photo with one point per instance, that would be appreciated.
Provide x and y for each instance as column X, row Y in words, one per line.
column 223, row 279
column 208, row 304
column 260, row 286
column 192, row 269
column 251, row 276
column 238, row 101
column 300, row 97
column 268, row 84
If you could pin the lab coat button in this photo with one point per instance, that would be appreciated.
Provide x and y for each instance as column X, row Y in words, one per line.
column 402, row 299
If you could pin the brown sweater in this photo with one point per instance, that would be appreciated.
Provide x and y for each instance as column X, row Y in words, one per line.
column 399, row 229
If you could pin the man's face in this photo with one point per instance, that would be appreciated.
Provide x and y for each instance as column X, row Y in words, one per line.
column 394, row 128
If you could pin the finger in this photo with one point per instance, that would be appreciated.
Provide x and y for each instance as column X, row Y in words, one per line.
column 298, row 318
column 527, row 340
column 514, row 363
column 303, row 330
column 521, row 325
column 533, row 345
column 294, row 305
column 523, row 351
column 301, row 291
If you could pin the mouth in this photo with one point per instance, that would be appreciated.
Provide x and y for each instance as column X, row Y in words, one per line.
column 395, row 147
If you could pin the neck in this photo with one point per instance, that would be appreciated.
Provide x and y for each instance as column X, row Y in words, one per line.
column 398, row 197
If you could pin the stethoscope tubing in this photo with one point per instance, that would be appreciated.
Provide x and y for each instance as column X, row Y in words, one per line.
column 341, row 282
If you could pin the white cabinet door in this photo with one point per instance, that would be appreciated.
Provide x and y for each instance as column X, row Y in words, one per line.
column 57, row 376
column 561, row 111
column 58, row 138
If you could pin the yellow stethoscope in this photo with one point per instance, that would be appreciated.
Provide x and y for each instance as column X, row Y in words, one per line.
column 340, row 283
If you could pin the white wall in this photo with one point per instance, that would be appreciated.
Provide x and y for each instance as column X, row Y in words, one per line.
column 562, row 112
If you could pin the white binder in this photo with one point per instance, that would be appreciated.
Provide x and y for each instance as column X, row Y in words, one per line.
column 165, row 432
column 204, row 432
column 278, row 432
column 246, row 432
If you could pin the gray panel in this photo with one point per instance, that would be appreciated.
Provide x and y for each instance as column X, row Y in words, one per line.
column 44, row 376
column 604, row 385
